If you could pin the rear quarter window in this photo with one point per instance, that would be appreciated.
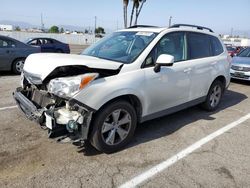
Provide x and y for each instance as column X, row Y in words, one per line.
column 216, row 46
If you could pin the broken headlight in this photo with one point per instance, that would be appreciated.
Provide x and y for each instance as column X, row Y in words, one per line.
column 69, row 86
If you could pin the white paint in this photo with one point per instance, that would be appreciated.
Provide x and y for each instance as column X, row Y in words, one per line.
column 8, row 107
column 165, row 164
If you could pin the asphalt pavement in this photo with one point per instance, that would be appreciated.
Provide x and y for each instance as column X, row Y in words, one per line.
column 28, row 158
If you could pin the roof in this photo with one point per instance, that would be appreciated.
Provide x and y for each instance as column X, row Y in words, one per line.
column 177, row 27
column 148, row 29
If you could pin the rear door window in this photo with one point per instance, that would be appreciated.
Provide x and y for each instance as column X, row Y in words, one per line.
column 198, row 45
column 4, row 43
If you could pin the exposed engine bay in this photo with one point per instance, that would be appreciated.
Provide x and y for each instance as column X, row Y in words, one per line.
column 50, row 102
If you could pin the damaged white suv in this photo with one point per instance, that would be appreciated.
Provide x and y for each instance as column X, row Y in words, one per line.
column 129, row 77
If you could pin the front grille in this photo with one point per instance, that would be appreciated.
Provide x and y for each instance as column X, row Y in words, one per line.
column 240, row 76
column 239, row 68
column 41, row 98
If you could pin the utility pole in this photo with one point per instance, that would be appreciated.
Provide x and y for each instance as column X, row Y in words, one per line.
column 232, row 29
column 95, row 24
column 117, row 25
column 169, row 21
column 42, row 24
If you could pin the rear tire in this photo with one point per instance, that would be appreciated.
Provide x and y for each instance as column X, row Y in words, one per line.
column 17, row 66
column 214, row 95
column 113, row 127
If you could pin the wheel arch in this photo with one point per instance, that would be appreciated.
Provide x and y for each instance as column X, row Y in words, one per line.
column 130, row 98
column 222, row 79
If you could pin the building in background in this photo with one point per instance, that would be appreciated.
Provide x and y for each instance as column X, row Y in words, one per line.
column 6, row 27
column 235, row 41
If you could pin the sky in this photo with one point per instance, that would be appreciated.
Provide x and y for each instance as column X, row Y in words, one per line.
column 220, row 15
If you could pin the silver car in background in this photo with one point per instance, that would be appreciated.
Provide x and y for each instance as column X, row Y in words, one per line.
column 240, row 68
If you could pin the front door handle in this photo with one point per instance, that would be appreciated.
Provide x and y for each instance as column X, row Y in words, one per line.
column 187, row 70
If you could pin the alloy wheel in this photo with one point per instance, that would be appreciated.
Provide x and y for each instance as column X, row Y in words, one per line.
column 215, row 96
column 19, row 65
column 116, row 127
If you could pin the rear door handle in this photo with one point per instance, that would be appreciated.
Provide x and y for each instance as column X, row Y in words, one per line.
column 214, row 63
column 187, row 70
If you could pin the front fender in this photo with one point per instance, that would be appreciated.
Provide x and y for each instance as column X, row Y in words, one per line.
column 102, row 90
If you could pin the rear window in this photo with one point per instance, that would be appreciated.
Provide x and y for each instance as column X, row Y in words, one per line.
column 229, row 48
column 217, row 48
column 198, row 45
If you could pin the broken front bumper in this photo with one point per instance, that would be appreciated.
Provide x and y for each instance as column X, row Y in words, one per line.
column 56, row 119
column 29, row 109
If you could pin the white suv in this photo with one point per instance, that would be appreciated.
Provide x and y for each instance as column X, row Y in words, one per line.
column 129, row 77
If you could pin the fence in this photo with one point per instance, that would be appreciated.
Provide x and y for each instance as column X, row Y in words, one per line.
column 79, row 39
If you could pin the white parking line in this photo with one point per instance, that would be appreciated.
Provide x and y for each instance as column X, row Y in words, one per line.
column 165, row 164
column 7, row 107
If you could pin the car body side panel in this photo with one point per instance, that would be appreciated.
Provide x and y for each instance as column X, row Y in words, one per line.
column 167, row 88
column 102, row 90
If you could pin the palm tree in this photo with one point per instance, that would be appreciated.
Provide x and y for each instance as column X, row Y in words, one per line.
column 125, row 10
column 138, row 9
column 136, row 4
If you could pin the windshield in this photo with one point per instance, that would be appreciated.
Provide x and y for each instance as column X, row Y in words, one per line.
column 245, row 53
column 27, row 40
column 123, row 47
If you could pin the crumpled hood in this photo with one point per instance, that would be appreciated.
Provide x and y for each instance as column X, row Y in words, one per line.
column 43, row 64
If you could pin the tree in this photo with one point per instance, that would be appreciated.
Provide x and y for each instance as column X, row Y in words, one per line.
column 136, row 10
column 125, row 12
column 100, row 30
column 86, row 31
column 135, row 2
column 17, row 28
column 62, row 30
column 54, row 29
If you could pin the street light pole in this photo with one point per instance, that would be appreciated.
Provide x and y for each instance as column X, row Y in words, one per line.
column 95, row 24
column 170, row 20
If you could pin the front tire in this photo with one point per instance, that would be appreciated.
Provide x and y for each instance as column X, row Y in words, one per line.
column 214, row 95
column 113, row 126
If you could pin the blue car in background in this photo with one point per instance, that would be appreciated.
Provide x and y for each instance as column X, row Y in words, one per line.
column 49, row 45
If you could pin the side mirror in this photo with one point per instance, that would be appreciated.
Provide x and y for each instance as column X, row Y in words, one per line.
column 163, row 60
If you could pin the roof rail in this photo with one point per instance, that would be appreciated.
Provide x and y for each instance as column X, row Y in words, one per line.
column 188, row 25
column 136, row 26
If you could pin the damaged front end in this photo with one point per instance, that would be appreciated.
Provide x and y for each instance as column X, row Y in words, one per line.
column 54, row 113
column 51, row 103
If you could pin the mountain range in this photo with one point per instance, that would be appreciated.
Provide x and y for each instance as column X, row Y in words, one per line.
column 24, row 25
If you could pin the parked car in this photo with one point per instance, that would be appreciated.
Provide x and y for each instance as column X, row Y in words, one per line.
column 49, row 45
column 132, row 76
column 13, row 54
column 231, row 51
column 240, row 68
